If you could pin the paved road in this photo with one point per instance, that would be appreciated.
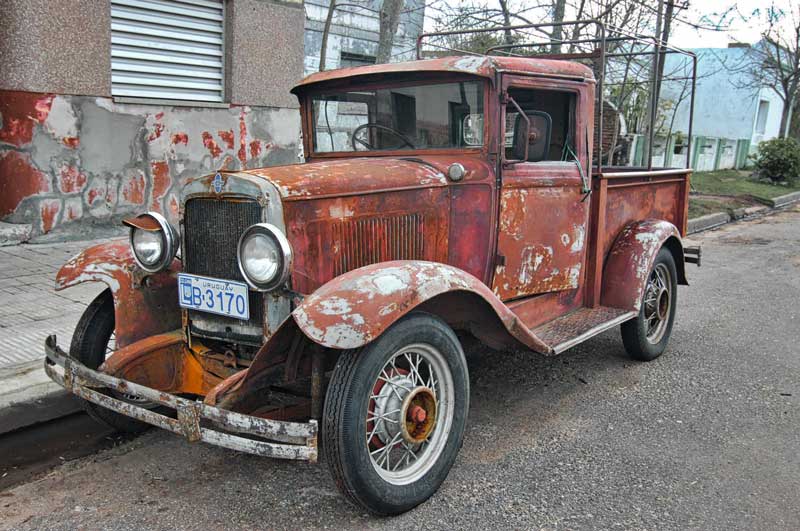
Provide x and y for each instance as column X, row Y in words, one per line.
column 705, row 437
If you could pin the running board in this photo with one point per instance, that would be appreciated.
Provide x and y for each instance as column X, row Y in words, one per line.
column 576, row 327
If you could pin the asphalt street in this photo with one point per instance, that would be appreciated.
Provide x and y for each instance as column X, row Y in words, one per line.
column 706, row 437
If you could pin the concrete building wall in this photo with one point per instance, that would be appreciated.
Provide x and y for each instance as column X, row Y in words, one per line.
column 73, row 158
column 264, row 51
column 59, row 46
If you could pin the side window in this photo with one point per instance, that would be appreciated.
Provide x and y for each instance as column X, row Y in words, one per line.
column 542, row 106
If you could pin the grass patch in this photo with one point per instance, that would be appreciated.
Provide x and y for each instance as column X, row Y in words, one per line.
column 736, row 183
column 700, row 206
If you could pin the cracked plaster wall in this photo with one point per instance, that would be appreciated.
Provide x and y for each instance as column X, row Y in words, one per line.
column 73, row 163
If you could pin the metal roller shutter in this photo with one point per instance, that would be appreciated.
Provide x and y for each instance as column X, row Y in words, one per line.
column 167, row 49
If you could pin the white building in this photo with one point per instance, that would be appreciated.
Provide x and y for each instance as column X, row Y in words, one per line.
column 731, row 114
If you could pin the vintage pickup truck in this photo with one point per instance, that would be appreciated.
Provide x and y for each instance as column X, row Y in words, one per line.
column 439, row 198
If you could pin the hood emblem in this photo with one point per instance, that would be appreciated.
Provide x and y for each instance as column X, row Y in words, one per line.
column 217, row 183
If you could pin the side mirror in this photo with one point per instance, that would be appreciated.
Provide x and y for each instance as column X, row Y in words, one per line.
column 472, row 130
column 532, row 136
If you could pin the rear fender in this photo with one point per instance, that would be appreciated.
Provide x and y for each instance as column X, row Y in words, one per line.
column 631, row 258
column 357, row 307
column 144, row 304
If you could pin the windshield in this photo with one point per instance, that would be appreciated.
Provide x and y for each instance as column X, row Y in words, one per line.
column 436, row 116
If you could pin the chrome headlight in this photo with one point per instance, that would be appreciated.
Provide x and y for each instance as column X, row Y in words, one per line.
column 153, row 241
column 265, row 257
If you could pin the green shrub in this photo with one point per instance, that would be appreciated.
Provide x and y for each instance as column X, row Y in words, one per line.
column 779, row 160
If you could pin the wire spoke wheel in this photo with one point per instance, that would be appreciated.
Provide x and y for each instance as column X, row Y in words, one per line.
column 657, row 302
column 646, row 336
column 395, row 414
column 409, row 413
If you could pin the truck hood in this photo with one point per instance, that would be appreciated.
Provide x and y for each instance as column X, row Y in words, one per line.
column 352, row 176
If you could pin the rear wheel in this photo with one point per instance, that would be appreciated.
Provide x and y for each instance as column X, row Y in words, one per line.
column 395, row 414
column 646, row 337
column 92, row 341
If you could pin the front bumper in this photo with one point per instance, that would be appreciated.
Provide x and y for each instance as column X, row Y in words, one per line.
column 193, row 419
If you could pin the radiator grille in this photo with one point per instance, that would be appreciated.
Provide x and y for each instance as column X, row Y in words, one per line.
column 211, row 232
column 371, row 240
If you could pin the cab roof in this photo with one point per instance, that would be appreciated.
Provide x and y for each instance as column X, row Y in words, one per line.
column 478, row 65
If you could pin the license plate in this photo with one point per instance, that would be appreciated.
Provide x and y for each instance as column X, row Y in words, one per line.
column 213, row 295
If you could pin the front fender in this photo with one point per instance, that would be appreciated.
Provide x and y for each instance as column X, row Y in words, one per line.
column 358, row 306
column 631, row 258
column 144, row 304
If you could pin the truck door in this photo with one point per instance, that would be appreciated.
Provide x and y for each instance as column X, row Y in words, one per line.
column 544, row 212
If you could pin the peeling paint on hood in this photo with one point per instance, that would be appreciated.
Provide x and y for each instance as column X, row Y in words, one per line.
column 349, row 176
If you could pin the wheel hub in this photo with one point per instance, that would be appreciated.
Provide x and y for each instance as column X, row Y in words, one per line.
column 419, row 414
column 389, row 395
column 663, row 304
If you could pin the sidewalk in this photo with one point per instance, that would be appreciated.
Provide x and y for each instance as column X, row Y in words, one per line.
column 30, row 310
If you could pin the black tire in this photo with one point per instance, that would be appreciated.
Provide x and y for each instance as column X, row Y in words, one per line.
column 89, row 344
column 344, row 421
column 635, row 332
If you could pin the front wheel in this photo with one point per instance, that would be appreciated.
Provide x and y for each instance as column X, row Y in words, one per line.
column 92, row 341
column 395, row 414
column 645, row 337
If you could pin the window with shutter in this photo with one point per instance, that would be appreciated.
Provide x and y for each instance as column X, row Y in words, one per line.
column 168, row 49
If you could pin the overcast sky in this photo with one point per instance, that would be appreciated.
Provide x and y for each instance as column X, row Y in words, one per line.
column 744, row 26
column 741, row 24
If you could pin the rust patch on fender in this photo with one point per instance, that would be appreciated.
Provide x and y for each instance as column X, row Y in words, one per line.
column 357, row 307
column 630, row 260
column 142, row 307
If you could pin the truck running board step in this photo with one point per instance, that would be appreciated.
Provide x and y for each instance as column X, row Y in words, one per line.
column 578, row 326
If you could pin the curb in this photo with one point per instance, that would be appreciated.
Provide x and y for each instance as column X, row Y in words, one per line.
column 708, row 221
column 28, row 397
column 14, row 234
column 711, row 221
column 783, row 200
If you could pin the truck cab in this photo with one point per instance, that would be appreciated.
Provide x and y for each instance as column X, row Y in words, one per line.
column 324, row 303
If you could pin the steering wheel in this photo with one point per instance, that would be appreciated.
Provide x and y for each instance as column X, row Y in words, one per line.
column 398, row 134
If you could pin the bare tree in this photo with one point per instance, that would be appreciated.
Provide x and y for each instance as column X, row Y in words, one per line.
column 389, row 17
column 507, row 38
column 326, row 30
column 558, row 17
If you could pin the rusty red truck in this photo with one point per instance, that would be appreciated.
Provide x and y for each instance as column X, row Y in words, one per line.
column 324, row 302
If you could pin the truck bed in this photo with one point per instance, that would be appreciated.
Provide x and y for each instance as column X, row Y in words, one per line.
column 630, row 194
column 624, row 195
